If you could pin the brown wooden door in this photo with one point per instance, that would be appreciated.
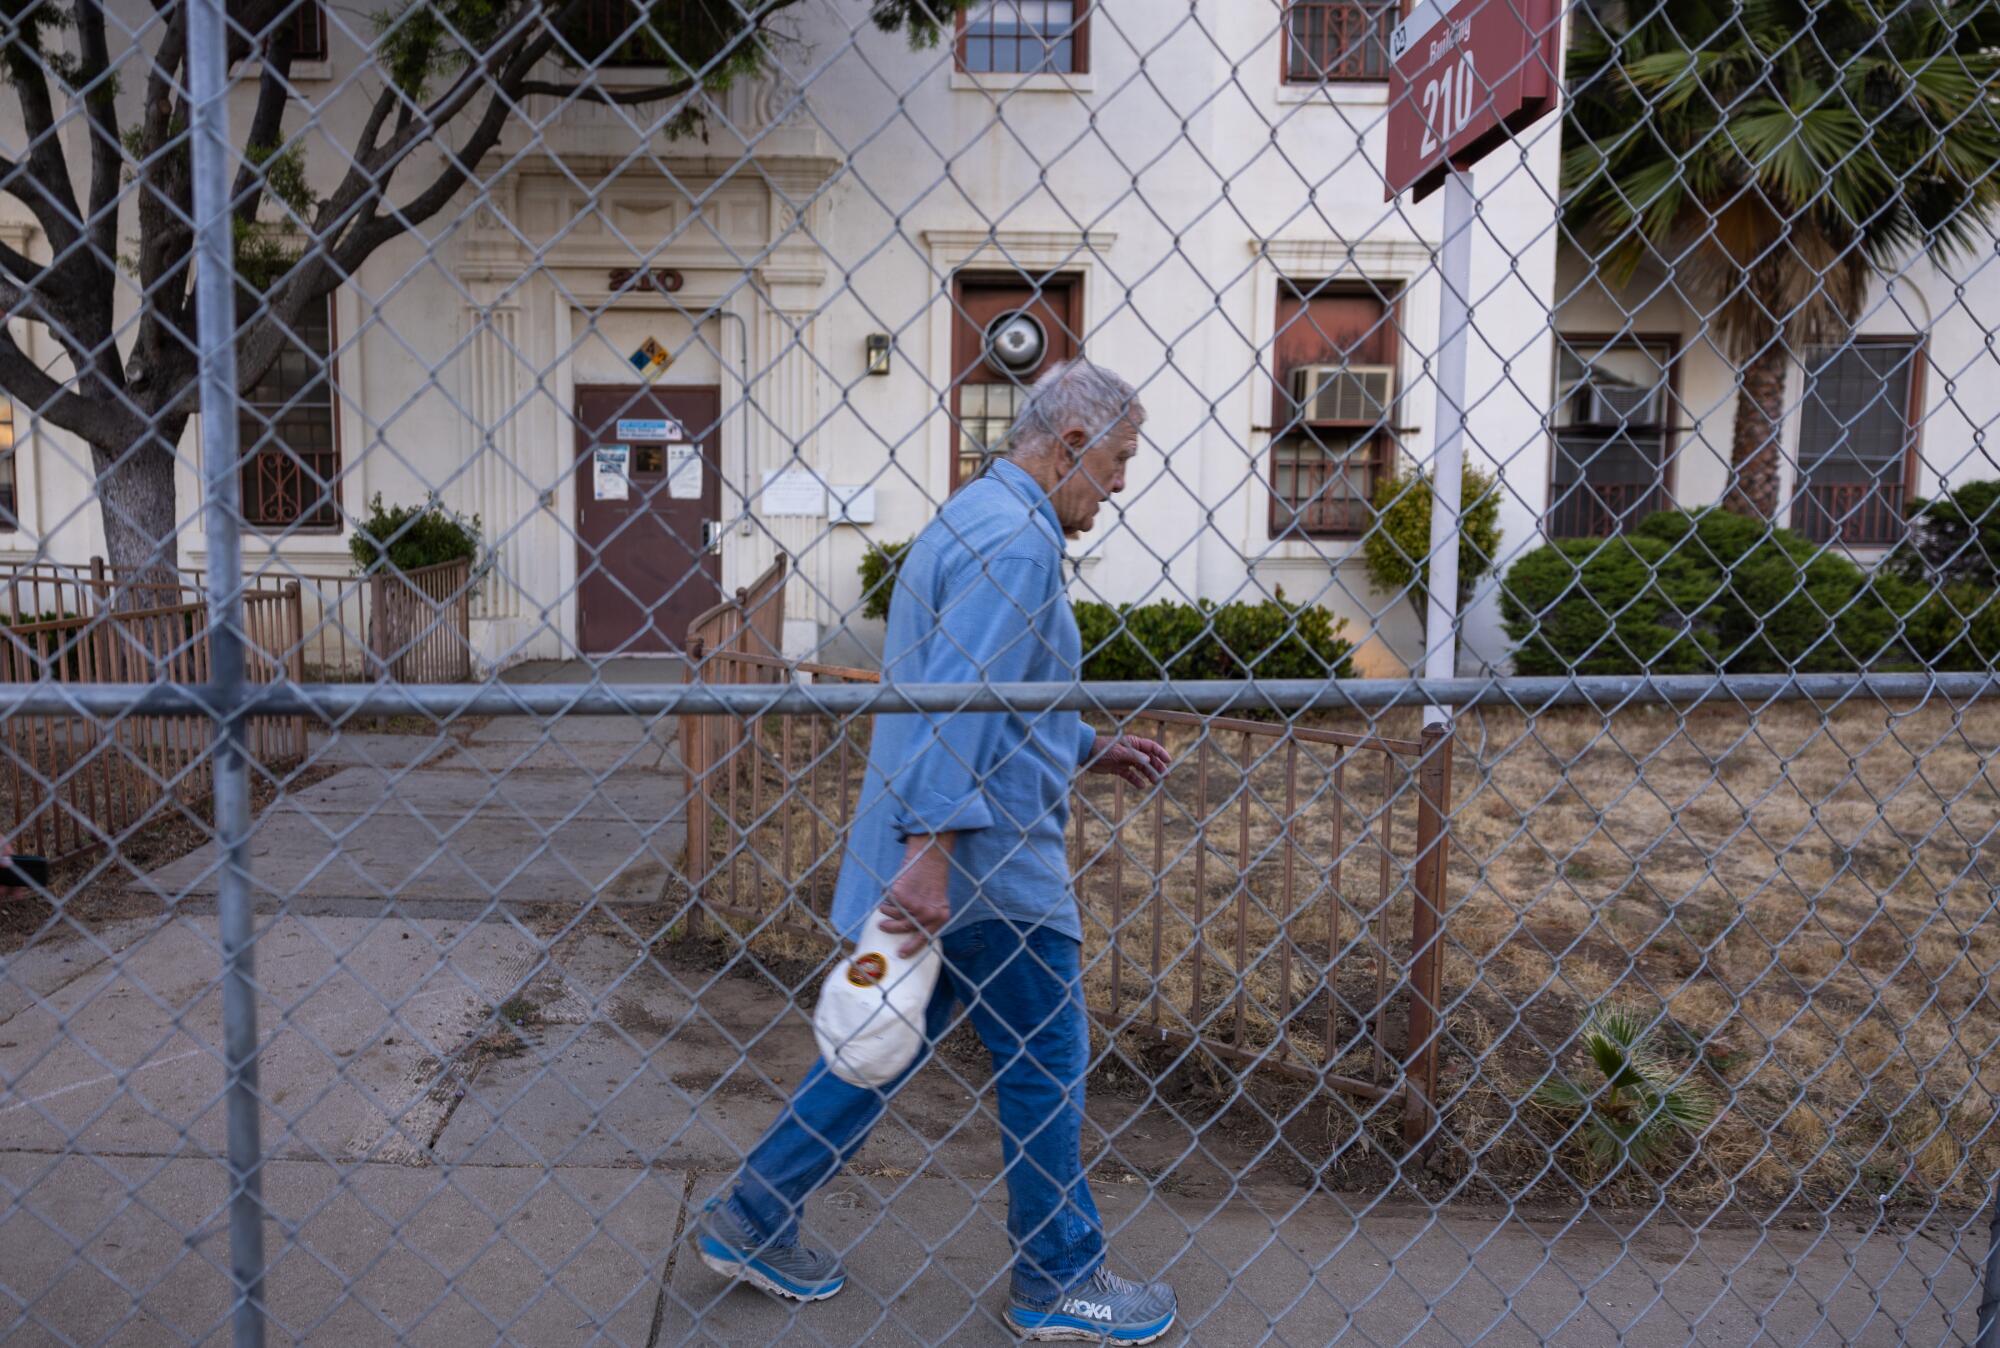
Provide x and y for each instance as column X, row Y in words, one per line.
column 643, row 571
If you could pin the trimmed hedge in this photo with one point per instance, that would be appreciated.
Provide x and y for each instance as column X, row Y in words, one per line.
column 1694, row 592
column 1274, row 639
column 1165, row 639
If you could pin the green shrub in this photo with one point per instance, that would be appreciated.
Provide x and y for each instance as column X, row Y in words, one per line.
column 1689, row 592
column 1955, row 627
column 878, row 577
column 1275, row 639
column 412, row 537
column 1953, row 538
column 1397, row 549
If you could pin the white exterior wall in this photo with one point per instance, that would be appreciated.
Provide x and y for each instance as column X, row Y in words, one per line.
column 1952, row 304
column 1181, row 190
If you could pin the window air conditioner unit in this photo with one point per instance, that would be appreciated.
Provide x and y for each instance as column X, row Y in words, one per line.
column 1613, row 402
column 1343, row 392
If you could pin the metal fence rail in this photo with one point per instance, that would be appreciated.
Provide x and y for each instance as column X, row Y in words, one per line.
column 1466, row 723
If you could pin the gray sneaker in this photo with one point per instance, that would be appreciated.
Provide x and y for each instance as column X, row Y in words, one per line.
column 1105, row 1308
column 792, row 1271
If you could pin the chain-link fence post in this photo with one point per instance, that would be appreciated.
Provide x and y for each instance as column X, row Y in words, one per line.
column 216, row 332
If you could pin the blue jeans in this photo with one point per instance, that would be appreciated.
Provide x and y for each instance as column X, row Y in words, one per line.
column 1023, row 991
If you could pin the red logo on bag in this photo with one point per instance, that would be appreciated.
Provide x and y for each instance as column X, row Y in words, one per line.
column 865, row 971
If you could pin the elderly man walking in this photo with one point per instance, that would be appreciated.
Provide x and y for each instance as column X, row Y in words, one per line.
column 958, row 836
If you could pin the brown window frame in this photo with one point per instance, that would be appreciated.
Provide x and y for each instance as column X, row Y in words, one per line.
column 253, row 451
column 1668, row 490
column 1392, row 10
column 1284, row 519
column 306, row 11
column 1062, row 290
column 1840, row 531
column 10, row 494
column 1079, row 36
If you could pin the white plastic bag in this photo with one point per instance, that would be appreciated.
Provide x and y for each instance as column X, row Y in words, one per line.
column 870, row 1020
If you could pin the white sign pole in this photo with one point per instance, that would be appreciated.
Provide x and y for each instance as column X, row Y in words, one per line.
column 1448, row 465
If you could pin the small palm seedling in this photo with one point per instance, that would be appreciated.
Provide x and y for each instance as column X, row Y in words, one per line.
column 1639, row 1107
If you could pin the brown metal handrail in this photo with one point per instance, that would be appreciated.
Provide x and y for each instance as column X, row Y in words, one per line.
column 766, row 815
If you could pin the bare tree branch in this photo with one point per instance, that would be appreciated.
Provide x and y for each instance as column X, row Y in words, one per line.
column 101, row 420
column 21, row 267
column 51, row 197
column 107, row 165
column 266, row 125
column 164, row 202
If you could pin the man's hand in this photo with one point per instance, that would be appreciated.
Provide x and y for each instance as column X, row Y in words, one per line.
column 1139, row 761
column 920, row 896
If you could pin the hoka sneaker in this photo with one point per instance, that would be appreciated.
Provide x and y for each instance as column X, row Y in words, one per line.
column 792, row 1271
column 1105, row 1308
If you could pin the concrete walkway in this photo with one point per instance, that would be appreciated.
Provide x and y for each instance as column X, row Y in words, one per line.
column 480, row 1136
column 515, row 809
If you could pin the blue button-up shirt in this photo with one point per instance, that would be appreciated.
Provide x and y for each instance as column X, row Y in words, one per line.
column 979, row 596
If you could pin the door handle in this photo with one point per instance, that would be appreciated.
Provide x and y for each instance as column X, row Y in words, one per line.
column 711, row 536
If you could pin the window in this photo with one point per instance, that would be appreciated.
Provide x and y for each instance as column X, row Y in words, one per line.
column 1612, row 427
column 1857, row 441
column 286, row 428
column 985, row 412
column 986, row 393
column 1335, row 355
column 9, row 519
column 1024, row 37
column 616, row 33
column 1331, row 40
column 302, row 31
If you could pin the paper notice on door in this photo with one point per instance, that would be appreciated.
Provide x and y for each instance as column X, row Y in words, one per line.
column 684, row 472
column 612, row 472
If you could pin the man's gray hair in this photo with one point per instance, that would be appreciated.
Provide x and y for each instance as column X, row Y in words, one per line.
column 1073, row 395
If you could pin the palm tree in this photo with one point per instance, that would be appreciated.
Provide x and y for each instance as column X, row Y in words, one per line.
column 1639, row 1107
column 1773, row 157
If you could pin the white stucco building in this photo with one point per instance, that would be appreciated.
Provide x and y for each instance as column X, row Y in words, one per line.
column 1190, row 195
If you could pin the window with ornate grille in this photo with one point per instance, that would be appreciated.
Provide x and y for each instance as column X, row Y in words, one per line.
column 1024, row 37
column 1341, row 40
column 1334, row 355
column 1612, row 430
column 1858, row 441
column 286, row 426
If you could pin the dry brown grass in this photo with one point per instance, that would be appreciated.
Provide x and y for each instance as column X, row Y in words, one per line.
column 1802, row 901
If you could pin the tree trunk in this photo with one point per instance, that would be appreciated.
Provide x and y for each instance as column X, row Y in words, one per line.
column 1754, row 446
column 135, row 495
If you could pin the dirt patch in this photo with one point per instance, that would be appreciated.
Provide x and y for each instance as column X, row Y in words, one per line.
column 96, row 888
column 1803, row 903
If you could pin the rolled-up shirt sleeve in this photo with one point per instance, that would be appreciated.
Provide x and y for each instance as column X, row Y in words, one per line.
column 989, row 628
column 1088, row 744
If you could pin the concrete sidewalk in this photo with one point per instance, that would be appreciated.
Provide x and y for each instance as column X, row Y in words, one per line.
column 514, row 810
column 484, row 1135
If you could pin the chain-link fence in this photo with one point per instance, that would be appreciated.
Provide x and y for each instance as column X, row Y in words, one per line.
column 526, row 523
